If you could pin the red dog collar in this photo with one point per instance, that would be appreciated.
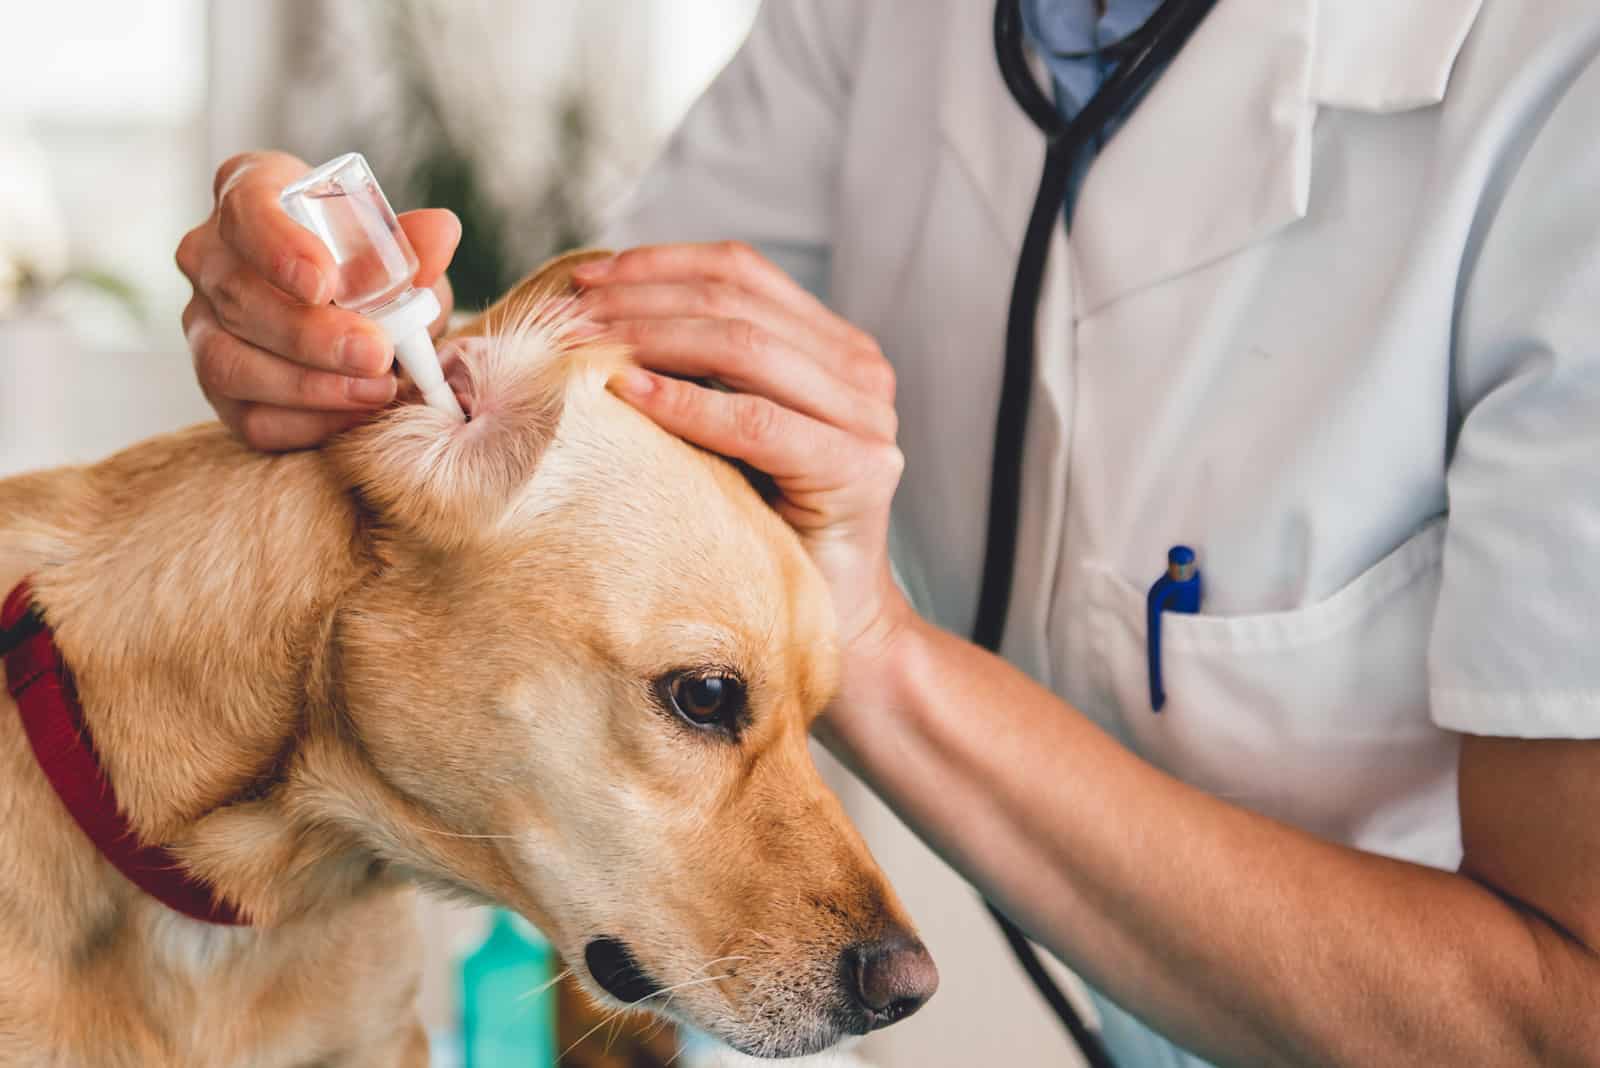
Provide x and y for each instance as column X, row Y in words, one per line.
column 42, row 687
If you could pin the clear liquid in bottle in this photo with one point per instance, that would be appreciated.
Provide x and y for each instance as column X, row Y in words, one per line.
column 342, row 204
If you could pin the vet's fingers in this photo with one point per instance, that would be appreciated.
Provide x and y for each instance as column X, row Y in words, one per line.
column 270, row 429
column 745, row 356
column 314, row 335
column 231, row 369
column 258, row 230
column 711, row 300
column 732, row 263
column 803, row 454
column 447, row 304
column 434, row 233
column 714, row 273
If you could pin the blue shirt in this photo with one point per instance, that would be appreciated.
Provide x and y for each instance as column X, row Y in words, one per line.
column 1069, row 35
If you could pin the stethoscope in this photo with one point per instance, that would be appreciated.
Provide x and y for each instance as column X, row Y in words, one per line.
column 1140, row 57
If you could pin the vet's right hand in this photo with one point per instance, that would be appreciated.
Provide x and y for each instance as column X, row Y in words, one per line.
column 283, row 367
column 812, row 405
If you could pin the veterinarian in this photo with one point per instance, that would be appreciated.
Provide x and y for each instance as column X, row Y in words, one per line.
column 1319, row 325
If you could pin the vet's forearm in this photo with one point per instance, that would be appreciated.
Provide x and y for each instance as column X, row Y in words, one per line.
column 1244, row 939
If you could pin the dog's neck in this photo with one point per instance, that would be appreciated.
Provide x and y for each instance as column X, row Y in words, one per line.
column 192, row 586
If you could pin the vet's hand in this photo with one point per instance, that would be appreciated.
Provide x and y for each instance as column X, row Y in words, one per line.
column 814, row 407
column 284, row 368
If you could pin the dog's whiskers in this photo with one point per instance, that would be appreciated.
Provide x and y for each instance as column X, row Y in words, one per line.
column 718, row 960
column 618, row 1013
column 660, row 1026
column 765, row 939
column 545, row 986
column 663, row 1021
column 611, row 1035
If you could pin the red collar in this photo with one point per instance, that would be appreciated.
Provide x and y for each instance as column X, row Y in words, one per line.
column 42, row 687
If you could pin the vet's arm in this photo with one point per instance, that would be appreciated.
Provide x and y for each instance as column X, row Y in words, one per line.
column 1242, row 938
column 284, row 368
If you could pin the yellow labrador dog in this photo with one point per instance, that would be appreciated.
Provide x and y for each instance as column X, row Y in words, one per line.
column 553, row 658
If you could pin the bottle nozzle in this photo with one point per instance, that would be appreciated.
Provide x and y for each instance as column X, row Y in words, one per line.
column 406, row 322
column 341, row 203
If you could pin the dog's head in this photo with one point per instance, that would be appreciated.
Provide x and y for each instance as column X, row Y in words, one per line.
column 587, row 670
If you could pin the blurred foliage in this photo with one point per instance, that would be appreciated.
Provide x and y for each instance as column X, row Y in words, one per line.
column 119, row 289
column 561, row 202
column 444, row 170
column 450, row 115
column 480, row 271
column 31, row 290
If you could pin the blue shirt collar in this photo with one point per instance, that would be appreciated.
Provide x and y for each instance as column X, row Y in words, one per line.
column 1063, row 30
column 1074, row 26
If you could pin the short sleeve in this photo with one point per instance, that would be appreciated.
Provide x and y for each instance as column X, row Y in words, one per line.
column 1515, row 649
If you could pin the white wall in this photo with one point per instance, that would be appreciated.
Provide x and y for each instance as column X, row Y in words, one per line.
column 111, row 95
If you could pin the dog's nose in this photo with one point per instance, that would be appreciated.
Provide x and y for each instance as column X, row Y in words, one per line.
column 889, row 979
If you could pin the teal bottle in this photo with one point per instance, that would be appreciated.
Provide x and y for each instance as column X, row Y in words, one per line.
column 508, row 1004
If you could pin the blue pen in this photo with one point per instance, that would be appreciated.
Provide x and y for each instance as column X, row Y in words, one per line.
column 1176, row 591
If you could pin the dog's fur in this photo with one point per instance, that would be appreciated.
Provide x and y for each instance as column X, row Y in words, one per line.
column 424, row 654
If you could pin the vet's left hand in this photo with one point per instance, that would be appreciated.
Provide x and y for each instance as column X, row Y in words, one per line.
column 814, row 406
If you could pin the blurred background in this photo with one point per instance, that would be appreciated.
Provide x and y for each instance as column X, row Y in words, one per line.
column 530, row 118
column 527, row 118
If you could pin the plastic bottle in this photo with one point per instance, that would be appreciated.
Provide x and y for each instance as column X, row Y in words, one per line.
column 341, row 203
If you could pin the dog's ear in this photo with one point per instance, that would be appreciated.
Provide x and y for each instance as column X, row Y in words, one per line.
column 447, row 482
column 552, row 280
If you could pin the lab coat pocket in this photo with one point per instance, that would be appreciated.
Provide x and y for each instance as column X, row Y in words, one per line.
column 1317, row 716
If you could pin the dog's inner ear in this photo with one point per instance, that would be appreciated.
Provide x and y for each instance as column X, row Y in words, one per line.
column 447, row 481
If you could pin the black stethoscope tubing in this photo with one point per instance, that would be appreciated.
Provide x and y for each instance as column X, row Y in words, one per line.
column 1145, row 53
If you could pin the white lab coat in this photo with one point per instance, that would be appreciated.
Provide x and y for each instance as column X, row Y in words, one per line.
column 1329, row 313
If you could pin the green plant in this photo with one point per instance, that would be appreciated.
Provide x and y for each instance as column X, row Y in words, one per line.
column 33, row 288
column 443, row 162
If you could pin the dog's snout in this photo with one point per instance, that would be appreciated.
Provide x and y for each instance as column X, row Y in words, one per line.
column 888, row 979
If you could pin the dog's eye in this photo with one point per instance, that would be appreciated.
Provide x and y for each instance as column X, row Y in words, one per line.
column 706, row 700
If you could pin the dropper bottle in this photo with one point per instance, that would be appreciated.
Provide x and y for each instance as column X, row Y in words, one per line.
column 341, row 203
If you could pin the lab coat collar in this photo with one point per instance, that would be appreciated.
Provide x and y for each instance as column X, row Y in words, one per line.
column 1218, row 155
column 1382, row 56
column 996, row 144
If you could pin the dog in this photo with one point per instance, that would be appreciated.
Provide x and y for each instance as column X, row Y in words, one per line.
column 553, row 658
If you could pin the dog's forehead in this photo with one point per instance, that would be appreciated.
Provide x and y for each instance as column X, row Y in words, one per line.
column 678, row 549
column 625, row 482
column 638, row 502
